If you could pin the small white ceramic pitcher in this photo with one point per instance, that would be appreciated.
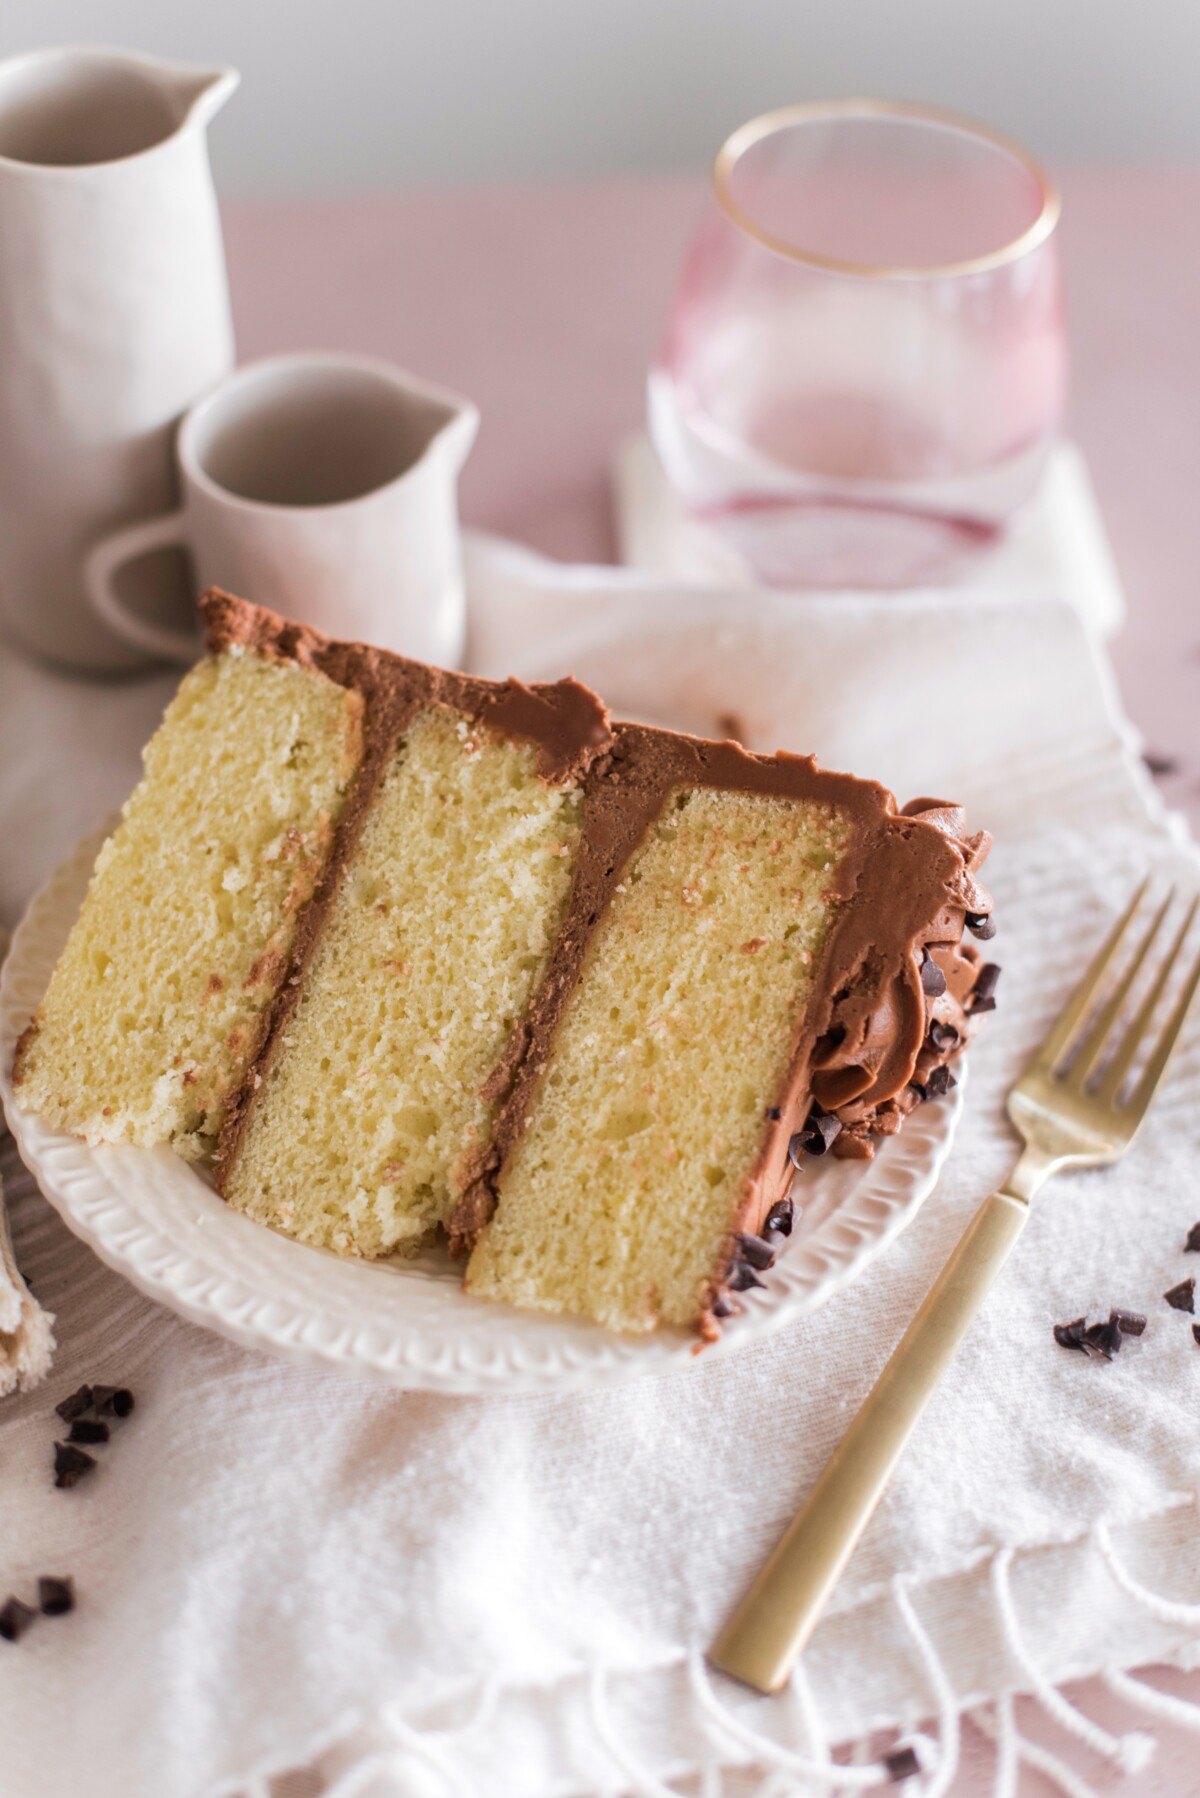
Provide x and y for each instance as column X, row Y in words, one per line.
column 324, row 486
column 114, row 318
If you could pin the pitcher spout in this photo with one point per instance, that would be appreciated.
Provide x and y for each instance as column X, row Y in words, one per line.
column 76, row 106
column 199, row 94
column 458, row 434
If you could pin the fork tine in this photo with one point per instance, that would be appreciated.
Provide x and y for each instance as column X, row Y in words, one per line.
column 1143, row 1092
column 1093, row 1043
column 1117, row 1069
column 1064, row 1029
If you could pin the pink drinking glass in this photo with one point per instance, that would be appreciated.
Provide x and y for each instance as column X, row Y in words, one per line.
column 865, row 367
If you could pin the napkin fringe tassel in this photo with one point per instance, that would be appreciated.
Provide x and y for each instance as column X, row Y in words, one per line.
column 816, row 1769
column 1131, row 1752
column 1167, row 1610
column 811, row 1769
column 1164, row 1705
column 766, row 1750
column 641, row 1781
column 1012, row 1748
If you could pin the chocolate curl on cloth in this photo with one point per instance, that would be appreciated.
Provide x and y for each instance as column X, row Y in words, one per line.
column 26, row 1331
column 401, row 1593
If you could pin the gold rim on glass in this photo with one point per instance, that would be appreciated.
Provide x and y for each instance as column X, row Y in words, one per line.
column 751, row 133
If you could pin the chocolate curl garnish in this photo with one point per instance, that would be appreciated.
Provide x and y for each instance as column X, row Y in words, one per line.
column 75, row 1406
column 742, row 1277
column 981, row 924
column 88, row 1429
column 1193, row 1239
column 1102, row 1339
column 932, row 978
column 1183, row 1296
column 15, row 1619
column 780, row 1219
column 55, row 1596
column 940, row 1081
column 942, row 1036
column 820, row 1130
column 755, row 1251
column 983, row 993
column 901, row 1764
column 117, row 1401
column 70, row 1465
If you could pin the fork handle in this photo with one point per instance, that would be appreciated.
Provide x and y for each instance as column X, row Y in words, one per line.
column 779, row 1613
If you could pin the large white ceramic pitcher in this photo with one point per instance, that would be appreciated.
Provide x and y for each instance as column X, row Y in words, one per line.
column 114, row 318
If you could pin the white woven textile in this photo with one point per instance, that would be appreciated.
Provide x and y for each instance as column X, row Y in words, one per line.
column 26, row 1329
column 409, row 1595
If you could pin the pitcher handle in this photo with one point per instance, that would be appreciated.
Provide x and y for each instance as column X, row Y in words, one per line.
column 101, row 565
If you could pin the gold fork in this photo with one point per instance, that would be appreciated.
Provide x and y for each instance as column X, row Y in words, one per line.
column 1071, row 1109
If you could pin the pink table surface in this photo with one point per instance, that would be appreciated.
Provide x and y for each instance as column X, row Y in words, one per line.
column 543, row 305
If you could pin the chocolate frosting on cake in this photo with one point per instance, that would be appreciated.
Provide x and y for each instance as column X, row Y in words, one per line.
column 565, row 722
column 866, row 1049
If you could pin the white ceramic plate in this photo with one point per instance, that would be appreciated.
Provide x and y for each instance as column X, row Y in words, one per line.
column 154, row 1219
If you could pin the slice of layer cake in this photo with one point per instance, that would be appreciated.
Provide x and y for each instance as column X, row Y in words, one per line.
column 435, row 952
column 761, row 957
column 158, row 1001
column 370, row 1110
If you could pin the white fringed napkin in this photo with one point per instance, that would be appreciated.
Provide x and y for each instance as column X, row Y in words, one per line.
column 278, row 1568
column 26, row 1331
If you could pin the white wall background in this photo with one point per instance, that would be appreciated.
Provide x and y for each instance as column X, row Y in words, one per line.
column 342, row 94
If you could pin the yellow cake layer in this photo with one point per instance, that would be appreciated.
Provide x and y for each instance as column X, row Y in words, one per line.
column 155, row 1005
column 617, row 1198
column 360, row 1135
